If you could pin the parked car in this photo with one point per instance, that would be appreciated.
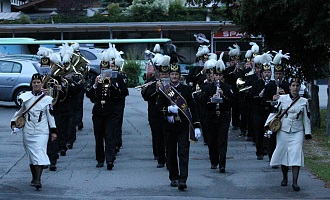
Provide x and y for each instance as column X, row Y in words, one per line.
column 24, row 56
column 15, row 77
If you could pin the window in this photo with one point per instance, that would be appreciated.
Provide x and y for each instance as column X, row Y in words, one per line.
column 88, row 55
column 6, row 67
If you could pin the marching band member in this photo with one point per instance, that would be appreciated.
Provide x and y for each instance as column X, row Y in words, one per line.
column 105, row 93
column 175, row 102
column 39, row 126
column 216, row 98
column 150, row 94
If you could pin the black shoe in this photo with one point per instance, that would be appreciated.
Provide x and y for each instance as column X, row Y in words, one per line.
column 249, row 139
column 160, row 165
column 37, row 185
column 284, row 182
column 275, row 166
column 52, row 167
column 33, row 182
column 45, row 167
column 109, row 166
column 69, row 145
column 214, row 166
column 100, row 164
column 182, row 186
column 260, row 157
column 63, row 152
column 242, row 134
column 222, row 170
column 296, row 188
column 174, row 183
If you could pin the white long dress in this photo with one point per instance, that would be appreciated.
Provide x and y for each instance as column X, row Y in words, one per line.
column 290, row 139
column 37, row 126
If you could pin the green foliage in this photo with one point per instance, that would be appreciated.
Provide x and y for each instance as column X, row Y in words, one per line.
column 298, row 27
column 132, row 68
column 147, row 10
column 41, row 21
column 317, row 156
column 25, row 19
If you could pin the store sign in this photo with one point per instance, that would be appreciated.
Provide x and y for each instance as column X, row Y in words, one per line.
column 232, row 34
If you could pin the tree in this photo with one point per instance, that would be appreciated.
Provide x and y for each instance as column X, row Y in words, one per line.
column 300, row 27
column 73, row 7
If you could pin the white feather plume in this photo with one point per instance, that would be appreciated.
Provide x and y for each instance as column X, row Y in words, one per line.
column 220, row 64
column 119, row 62
column 65, row 48
column 213, row 56
column 278, row 57
column 236, row 51
column 55, row 58
column 209, row 64
column 75, row 46
column 255, row 47
column 157, row 58
column 165, row 61
column 43, row 51
column 105, row 56
column 202, row 50
column 248, row 54
column 264, row 58
column 157, row 48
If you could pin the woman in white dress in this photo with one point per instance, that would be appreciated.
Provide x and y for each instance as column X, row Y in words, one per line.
column 39, row 123
column 295, row 127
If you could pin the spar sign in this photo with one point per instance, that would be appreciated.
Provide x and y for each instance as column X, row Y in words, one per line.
column 232, row 34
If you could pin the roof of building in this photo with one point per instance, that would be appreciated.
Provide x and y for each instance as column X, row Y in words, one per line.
column 9, row 15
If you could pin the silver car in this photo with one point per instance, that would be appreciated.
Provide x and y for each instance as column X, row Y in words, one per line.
column 15, row 77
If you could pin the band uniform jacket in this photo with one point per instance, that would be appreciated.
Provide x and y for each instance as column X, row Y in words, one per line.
column 163, row 102
column 150, row 95
column 105, row 99
column 209, row 90
column 296, row 117
column 39, row 118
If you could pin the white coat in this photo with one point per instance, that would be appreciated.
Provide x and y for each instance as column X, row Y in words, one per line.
column 289, row 140
column 36, row 129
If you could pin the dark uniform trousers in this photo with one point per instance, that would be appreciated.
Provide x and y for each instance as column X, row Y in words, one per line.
column 177, row 134
column 119, row 131
column 218, row 138
column 156, row 126
column 178, row 145
column 260, row 118
column 105, row 118
column 155, row 122
column 80, row 107
column 104, row 134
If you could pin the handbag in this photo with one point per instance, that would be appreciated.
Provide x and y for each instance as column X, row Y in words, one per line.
column 276, row 123
column 20, row 121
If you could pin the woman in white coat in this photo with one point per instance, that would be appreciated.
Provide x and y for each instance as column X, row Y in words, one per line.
column 39, row 123
column 290, row 138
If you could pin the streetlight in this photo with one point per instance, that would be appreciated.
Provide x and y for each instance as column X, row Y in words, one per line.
column 52, row 14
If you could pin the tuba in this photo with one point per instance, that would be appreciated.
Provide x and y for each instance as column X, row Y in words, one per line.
column 49, row 84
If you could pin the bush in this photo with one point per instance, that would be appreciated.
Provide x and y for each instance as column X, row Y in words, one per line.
column 25, row 19
column 132, row 68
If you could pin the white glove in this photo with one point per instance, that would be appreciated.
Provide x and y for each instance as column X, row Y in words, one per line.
column 170, row 119
column 15, row 131
column 198, row 133
column 173, row 109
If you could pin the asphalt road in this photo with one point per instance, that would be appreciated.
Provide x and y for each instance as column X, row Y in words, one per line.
column 135, row 175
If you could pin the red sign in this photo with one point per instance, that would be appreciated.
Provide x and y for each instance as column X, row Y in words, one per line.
column 228, row 34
